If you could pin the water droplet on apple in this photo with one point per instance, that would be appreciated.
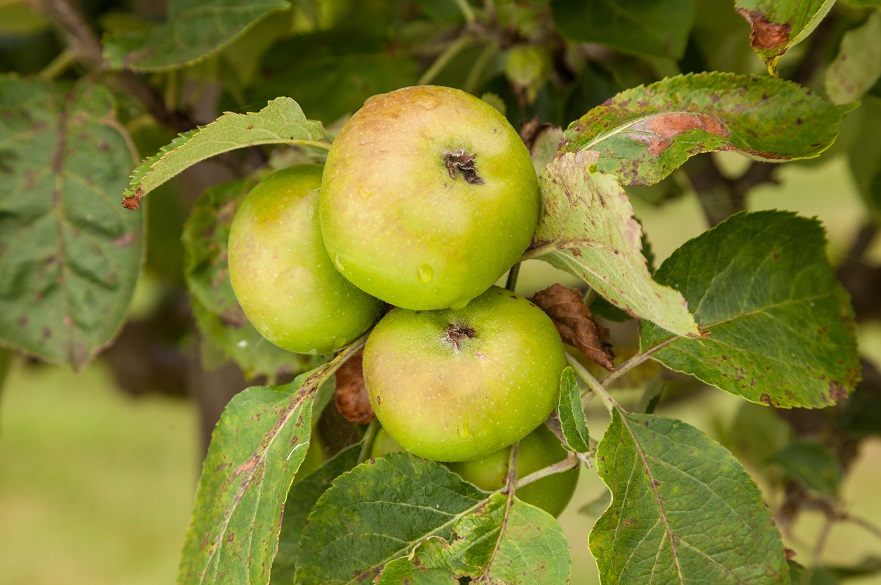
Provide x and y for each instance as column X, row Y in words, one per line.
column 425, row 273
column 463, row 429
column 338, row 262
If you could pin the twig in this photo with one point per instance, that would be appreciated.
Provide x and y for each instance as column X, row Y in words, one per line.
column 367, row 440
column 570, row 462
column 634, row 361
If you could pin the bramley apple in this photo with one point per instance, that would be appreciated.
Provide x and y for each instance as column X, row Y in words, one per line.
column 281, row 274
column 453, row 385
column 429, row 196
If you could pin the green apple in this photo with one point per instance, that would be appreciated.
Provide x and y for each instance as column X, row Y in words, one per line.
column 453, row 385
column 537, row 450
column 429, row 196
column 281, row 273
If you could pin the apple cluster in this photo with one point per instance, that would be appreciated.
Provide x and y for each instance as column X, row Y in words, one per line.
column 427, row 198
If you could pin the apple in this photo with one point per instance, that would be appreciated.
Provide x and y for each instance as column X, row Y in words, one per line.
column 429, row 196
column 537, row 450
column 280, row 271
column 453, row 385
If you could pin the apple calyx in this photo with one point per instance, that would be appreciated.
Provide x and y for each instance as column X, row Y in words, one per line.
column 457, row 333
column 463, row 163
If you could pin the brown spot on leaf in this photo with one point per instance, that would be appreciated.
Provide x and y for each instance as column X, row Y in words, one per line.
column 575, row 323
column 837, row 392
column 765, row 34
column 131, row 203
column 125, row 240
column 351, row 395
column 663, row 129
column 765, row 399
column 231, row 537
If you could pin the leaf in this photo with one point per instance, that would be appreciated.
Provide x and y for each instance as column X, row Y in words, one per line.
column 861, row 414
column 645, row 133
column 522, row 545
column 683, row 509
column 301, row 498
column 280, row 122
column 194, row 30
column 810, row 464
column 218, row 314
column 575, row 323
column 778, row 25
column 657, row 28
column 255, row 451
column 858, row 64
column 587, row 229
column 351, row 394
column 69, row 254
column 572, row 419
column 864, row 156
column 328, row 61
column 781, row 329
column 378, row 512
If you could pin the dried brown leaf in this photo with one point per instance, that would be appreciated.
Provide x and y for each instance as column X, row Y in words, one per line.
column 575, row 323
column 350, row 393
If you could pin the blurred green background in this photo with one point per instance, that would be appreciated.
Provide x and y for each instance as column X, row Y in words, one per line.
column 96, row 486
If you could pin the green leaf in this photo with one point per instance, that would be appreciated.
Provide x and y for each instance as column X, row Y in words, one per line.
column 810, row 464
column 194, row 30
column 328, row 61
column 780, row 327
column 587, row 228
column 520, row 545
column 858, row 64
column 571, row 413
column 778, row 25
column 218, row 314
column 683, row 509
column 280, row 122
column 378, row 512
column 255, row 451
column 69, row 253
column 301, row 498
column 655, row 28
column 645, row 133
column 864, row 156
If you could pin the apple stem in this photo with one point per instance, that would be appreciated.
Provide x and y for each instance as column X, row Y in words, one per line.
column 570, row 462
column 513, row 273
column 592, row 383
column 367, row 441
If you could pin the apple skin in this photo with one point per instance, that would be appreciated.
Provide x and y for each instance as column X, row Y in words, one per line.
column 395, row 221
column 280, row 271
column 453, row 385
column 537, row 450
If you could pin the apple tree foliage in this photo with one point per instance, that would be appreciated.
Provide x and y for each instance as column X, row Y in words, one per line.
column 615, row 100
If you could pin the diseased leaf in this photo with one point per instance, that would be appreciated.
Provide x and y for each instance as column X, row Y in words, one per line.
column 517, row 546
column 657, row 28
column 858, row 64
column 781, row 329
column 69, row 254
column 572, row 419
column 280, row 122
column 378, row 512
column 351, row 394
column 575, row 323
column 645, row 133
column 587, row 228
column 683, row 509
column 218, row 314
column 810, row 464
column 301, row 498
column 194, row 30
column 255, row 451
column 778, row 25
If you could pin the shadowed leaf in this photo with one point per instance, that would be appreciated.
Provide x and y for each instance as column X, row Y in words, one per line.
column 645, row 133
column 810, row 464
column 194, row 30
column 572, row 419
column 69, row 254
column 683, row 509
column 587, row 228
column 781, row 329
column 858, row 64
